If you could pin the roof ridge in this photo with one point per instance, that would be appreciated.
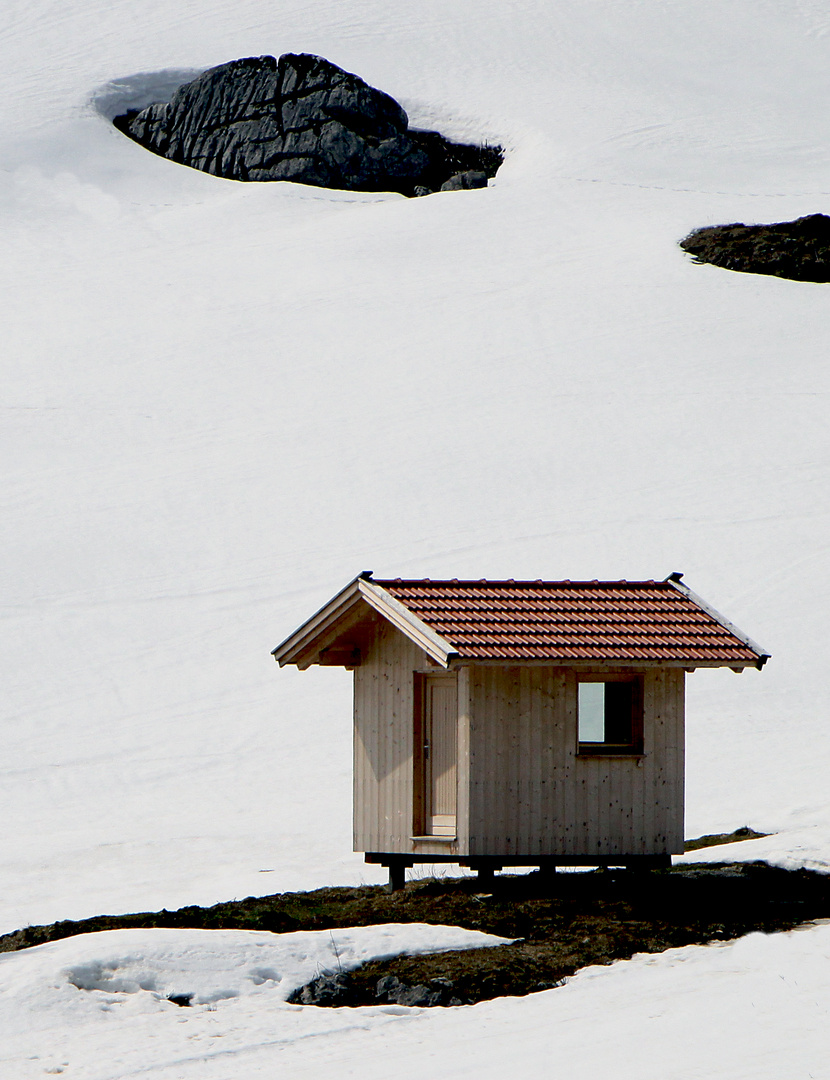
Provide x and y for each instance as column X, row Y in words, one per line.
column 520, row 582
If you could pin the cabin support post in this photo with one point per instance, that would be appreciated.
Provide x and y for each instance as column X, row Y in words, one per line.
column 396, row 864
column 547, row 871
column 397, row 874
column 485, row 871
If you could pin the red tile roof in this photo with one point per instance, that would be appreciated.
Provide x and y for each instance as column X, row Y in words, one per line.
column 625, row 621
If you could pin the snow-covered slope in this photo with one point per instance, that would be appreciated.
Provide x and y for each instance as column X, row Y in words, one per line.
column 95, row 1007
column 221, row 401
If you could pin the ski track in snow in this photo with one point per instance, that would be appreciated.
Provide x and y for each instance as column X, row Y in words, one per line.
column 221, row 401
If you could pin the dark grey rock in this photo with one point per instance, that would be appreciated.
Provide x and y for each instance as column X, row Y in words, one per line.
column 463, row 181
column 438, row 992
column 304, row 119
column 388, row 987
column 420, row 997
column 327, row 990
column 335, row 990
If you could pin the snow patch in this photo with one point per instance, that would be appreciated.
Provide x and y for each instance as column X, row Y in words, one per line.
column 109, row 977
column 206, row 967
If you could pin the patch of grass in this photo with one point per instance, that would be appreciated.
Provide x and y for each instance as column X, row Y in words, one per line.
column 713, row 839
column 603, row 916
column 797, row 249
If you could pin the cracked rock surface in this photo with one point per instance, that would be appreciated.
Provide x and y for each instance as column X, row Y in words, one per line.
column 304, row 119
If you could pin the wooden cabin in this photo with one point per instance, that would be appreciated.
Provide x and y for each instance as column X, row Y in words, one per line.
column 518, row 723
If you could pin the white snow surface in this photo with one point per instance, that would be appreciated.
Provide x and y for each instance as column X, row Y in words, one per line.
column 221, row 401
column 104, row 999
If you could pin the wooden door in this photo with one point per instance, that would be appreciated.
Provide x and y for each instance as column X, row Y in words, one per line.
column 439, row 755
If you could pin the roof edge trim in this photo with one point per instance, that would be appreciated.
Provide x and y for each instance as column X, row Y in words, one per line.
column 295, row 643
column 759, row 650
column 407, row 622
column 361, row 588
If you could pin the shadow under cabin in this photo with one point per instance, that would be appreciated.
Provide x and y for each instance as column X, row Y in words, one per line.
column 518, row 723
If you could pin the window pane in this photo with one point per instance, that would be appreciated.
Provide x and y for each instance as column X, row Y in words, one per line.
column 618, row 713
column 591, row 711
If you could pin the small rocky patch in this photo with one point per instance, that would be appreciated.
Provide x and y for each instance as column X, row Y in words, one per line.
column 341, row 988
column 392, row 991
column 326, row 989
column 798, row 249
column 302, row 118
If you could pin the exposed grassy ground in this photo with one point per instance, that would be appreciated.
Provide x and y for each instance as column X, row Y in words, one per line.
column 590, row 918
column 714, row 839
column 563, row 922
column 791, row 249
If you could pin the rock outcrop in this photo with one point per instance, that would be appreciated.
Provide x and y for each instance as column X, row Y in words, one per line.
column 334, row 990
column 303, row 119
column 797, row 249
column 391, row 990
column 463, row 181
column 327, row 989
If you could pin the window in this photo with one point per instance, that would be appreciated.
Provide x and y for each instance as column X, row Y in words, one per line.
column 610, row 714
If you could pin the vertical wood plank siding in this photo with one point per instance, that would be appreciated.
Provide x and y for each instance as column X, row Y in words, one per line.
column 531, row 794
column 384, row 712
column 522, row 788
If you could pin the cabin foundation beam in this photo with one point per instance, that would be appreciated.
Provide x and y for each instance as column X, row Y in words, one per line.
column 397, row 866
column 486, row 870
column 486, row 866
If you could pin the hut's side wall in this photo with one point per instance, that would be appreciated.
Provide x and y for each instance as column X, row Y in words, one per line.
column 531, row 794
column 384, row 713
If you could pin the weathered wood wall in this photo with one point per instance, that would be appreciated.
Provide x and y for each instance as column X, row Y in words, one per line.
column 530, row 792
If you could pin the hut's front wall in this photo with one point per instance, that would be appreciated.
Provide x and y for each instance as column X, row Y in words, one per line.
column 530, row 791
column 523, row 788
column 384, row 751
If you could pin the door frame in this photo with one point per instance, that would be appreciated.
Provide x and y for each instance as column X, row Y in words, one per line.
column 420, row 798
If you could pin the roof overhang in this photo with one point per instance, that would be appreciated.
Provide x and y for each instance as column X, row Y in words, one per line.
column 762, row 654
column 308, row 644
column 618, row 664
column 342, row 630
